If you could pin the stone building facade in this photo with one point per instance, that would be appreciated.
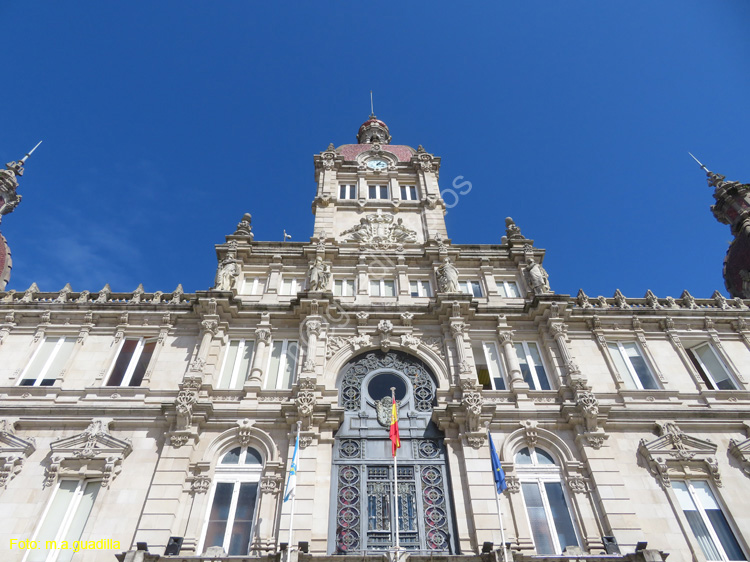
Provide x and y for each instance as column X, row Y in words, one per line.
column 165, row 422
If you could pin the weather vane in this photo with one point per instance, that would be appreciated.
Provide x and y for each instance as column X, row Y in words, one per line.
column 372, row 108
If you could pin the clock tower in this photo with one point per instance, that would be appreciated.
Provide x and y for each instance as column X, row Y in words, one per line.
column 376, row 194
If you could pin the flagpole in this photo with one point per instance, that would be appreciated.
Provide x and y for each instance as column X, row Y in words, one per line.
column 294, row 494
column 395, row 477
column 499, row 510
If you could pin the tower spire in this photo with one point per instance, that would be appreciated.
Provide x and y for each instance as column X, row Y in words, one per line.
column 372, row 107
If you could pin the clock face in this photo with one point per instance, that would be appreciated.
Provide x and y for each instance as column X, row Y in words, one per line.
column 377, row 164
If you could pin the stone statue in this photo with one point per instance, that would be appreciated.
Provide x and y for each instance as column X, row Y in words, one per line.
column 359, row 232
column 537, row 277
column 447, row 277
column 400, row 233
column 319, row 275
column 227, row 274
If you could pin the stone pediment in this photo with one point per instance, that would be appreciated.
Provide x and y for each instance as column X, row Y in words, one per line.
column 13, row 451
column 675, row 453
column 93, row 452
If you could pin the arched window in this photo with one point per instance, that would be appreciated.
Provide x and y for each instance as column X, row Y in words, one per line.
column 547, row 506
column 231, row 515
column 364, row 519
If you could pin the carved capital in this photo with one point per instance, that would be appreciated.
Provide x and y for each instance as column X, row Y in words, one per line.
column 263, row 335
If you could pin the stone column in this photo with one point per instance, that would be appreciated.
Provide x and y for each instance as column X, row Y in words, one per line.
column 511, row 360
column 262, row 339
column 312, row 329
column 558, row 331
column 457, row 329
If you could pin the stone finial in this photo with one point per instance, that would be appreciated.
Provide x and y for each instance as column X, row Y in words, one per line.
column 651, row 300
column 620, row 300
column 720, row 300
column 137, row 294
column 583, row 299
column 28, row 296
column 244, row 227
column 688, row 301
column 177, row 294
column 63, row 294
column 512, row 230
column 104, row 294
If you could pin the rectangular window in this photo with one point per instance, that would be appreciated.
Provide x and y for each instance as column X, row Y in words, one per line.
column 420, row 288
column 409, row 192
column 132, row 362
column 237, row 363
column 253, row 286
column 707, row 521
column 508, row 289
column 347, row 191
column 473, row 288
column 47, row 362
column 532, row 367
column 230, row 520
column 378, row 192
column 712, row 369
column 343, row 287
column 290, row 286
column 632, row 365
column 382, row 288
column 489, row 368
column 282, row 364
column 64, row 520
column 549, row 517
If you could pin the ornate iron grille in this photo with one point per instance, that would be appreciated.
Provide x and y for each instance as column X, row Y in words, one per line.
column 423, row 523
column 422, row 384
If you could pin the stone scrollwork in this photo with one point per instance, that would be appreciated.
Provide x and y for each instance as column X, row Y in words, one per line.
column 380, row 231
column 588, row 405
column 186, row 397
column 244, row 427
column 530, row 432
column 305, row 402
column 514, row 484
column 741, row 451
column 472, row 403
column 410, row 341
column 578, row 484
column 13, row 451
column 270, row 485
column 333, row 344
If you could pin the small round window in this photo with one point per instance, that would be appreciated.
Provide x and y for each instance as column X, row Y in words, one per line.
column 380, row 386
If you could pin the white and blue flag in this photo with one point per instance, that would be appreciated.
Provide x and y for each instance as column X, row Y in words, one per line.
column 291, row 483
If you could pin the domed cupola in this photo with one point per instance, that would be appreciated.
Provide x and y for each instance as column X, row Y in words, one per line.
column 373, row 131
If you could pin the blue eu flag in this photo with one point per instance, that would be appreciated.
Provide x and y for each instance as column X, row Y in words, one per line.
column 497, row 470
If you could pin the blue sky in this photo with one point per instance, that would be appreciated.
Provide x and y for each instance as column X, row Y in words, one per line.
column 163, row 122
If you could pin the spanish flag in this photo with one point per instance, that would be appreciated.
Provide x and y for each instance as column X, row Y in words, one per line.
column 395, row 439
